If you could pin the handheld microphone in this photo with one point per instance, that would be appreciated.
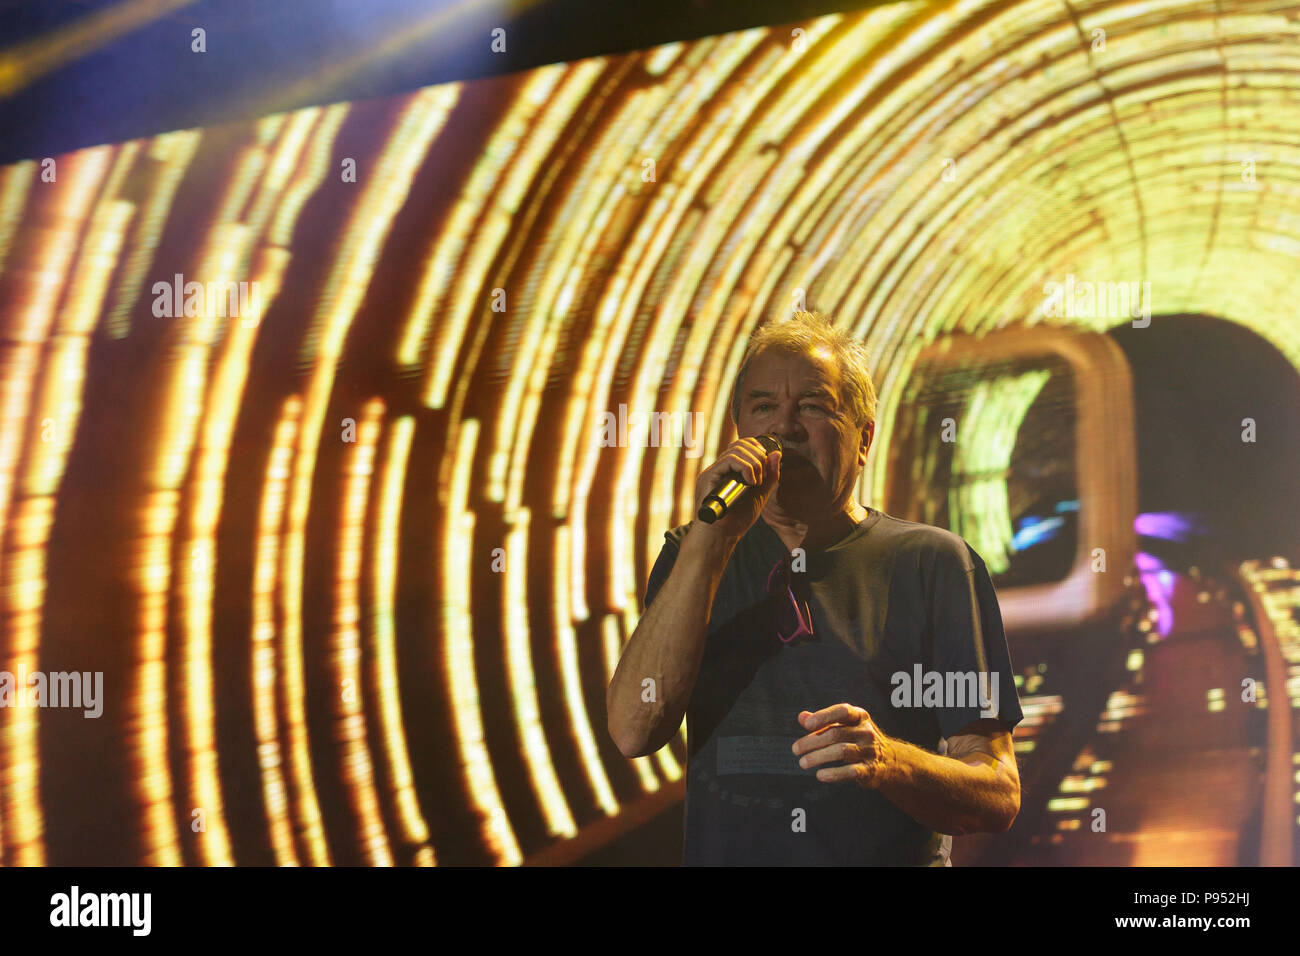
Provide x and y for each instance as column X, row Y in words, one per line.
column 722, row 497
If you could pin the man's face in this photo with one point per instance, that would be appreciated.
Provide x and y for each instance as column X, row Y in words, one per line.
column 797, row 398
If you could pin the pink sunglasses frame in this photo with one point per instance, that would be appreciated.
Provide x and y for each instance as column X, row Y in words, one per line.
column 802, row 612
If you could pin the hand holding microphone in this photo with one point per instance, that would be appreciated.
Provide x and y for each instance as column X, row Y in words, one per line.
column 733, row 491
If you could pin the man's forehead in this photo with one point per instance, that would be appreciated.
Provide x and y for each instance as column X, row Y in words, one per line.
column 813, row 371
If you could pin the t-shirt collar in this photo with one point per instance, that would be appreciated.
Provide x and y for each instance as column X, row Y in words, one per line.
column 771, row 541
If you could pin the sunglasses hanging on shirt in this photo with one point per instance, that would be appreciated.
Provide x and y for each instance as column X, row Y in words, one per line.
column 794, row 617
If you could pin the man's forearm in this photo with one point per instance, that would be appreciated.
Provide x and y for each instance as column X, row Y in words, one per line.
column 974, row 794
column 666, row 648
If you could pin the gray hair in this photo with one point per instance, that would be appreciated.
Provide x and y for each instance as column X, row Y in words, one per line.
column 802, row 334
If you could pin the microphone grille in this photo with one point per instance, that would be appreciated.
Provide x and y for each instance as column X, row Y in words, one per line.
column 770, row 442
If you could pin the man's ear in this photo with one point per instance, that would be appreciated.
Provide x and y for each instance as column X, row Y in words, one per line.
column 868, row 436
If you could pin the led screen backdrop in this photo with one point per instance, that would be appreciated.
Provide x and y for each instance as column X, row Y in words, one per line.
column 325, row 437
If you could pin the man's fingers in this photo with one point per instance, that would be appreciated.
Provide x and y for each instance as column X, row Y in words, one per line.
column 826, row 737
column 848, row 752
column 743, row 464
column 839, row 713
column 849, row 773
column 766, row 464
column 745, row 460
column 844, row 734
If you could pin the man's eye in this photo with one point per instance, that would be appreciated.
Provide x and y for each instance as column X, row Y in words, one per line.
column 804, row 406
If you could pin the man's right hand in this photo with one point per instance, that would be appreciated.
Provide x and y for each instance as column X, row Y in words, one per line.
column 747, row 460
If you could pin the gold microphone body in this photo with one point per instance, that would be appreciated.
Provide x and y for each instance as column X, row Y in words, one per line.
column 717, row 502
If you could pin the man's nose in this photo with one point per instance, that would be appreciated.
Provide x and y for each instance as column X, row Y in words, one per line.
column 787, row 424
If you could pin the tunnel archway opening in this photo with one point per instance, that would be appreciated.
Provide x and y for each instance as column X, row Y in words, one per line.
column 1217, row 415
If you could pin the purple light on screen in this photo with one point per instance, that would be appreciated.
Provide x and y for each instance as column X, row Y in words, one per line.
column 1168, row 525
column 1159, row 583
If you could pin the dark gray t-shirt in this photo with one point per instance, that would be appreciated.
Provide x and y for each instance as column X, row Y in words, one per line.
column 890, row 596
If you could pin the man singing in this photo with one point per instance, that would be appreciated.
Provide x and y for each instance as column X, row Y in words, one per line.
column 844, row 674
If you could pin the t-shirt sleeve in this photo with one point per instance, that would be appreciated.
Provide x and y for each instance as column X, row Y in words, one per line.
column 967, row 638
column 663, row 566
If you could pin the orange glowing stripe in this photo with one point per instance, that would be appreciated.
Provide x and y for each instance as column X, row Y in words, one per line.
column 668, row 763
column 53, row 424
column 195, row 448
column 146, row 737
column 57, row 409
column 202, row 781
column 15, row 186
column 457, row 634
column 176, row 411
column 290, row 582
column 566, row 653
column 381, row 641
column 249, row 169
column 309, row 825
column 281, row 170
column 574, row 227
column 277, row 658
column 20, row 794
column 38, row 276
column 483, row 246
column 579, row 420
column 348, row 278
column 173, row 151
column 207, row 483
column 314, row 164
column 345, row 640
column 424, row 115
column 40, row 273
column 267, row 670
column 450, row 243
column 618, row 318
column 890, row 398
column 523, row 688
column 598, row 365
column 174, row 434
column 57, row 402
